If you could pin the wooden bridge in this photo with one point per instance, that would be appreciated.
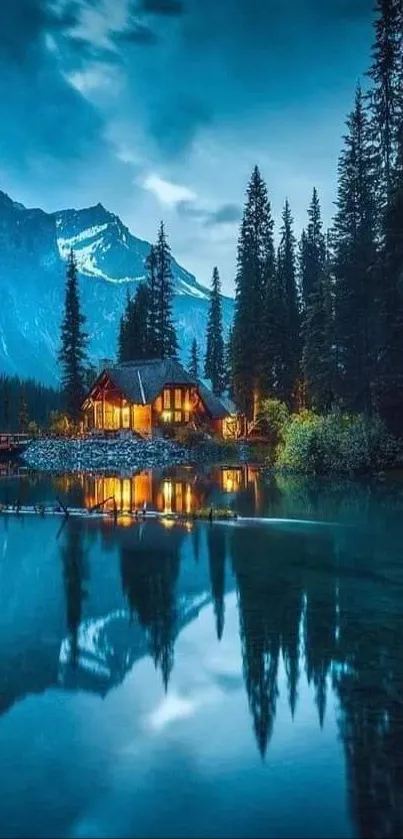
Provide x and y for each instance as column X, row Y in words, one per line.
column 11, row 443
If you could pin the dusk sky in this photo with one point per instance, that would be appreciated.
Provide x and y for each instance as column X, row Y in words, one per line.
column 160, row 109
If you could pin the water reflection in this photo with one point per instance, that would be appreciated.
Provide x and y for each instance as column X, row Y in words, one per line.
column 318, row 604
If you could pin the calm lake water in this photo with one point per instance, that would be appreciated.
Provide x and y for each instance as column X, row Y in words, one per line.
column 192, row 680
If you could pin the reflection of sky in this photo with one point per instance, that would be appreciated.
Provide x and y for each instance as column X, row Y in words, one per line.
column 142, row 763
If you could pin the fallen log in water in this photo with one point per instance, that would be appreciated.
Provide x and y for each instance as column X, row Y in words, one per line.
column 99, row 512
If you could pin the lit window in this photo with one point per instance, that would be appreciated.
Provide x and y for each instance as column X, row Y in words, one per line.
column 178, row 398
column 178, row 416
column 167, row 399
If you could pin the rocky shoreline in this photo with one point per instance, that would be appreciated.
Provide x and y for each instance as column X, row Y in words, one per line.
column 95, row 455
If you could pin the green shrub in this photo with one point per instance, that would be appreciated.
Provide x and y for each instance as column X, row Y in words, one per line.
column 60, row 425
column 337, row 442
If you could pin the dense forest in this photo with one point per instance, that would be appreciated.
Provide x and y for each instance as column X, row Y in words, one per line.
column 25, row 402
column 319, row 323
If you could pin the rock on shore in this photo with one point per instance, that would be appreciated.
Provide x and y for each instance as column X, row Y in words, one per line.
column 50, row 455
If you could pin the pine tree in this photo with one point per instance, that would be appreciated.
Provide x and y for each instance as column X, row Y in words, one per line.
column 123, row 349
column 214, row 361
column 317, row 359
column 152, row 326
column 23, row 418
column 312, row 250
column 386, row 96
column 354, row 261
column 165, row 333
column 193, row 366
column 229, row 363
column 133, row 333
column 290, row 314
column 253, row 327
column 390, row 381
column 74, row 340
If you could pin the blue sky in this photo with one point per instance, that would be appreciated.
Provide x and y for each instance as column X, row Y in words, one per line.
column 160, row 109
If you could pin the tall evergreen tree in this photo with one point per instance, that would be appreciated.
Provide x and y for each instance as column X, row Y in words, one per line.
column 312, row 250
column 133, row 333
column 193, row 366
column 354, row 261
column 165, row 333
column 317, row 324
column 214, row 361
column 74, row 340
column 123, row 341
column 290, row 315
column 229, row 363
column 386, row 96
column 153, row 302
column 390, row 380
column 253, row 328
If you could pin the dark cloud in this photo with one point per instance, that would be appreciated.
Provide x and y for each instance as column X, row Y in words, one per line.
column 138, row 34
column 24, row 22
column 48, row 118
column 167, row 8
column 226, row 214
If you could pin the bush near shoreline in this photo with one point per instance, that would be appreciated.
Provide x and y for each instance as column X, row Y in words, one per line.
column 335, row 443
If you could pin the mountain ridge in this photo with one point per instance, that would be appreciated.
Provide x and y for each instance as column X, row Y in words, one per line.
column 34, row 246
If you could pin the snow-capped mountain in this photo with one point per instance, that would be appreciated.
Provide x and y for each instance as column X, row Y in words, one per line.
column 33, row 248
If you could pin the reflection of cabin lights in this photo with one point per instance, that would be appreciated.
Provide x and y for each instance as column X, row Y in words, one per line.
column 167, row 494
column 188, row 498
column 168, row 523
column 188, row 526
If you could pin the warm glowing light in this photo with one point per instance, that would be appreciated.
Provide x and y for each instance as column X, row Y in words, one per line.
column 124, row 521
column 188, row 498
column 188, row 526
column 126, row 494
column 167, row 495
column 168, row 523
column 166, row 416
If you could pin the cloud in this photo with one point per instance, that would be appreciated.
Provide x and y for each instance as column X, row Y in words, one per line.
column 139, row 33
column 225, row 214
column 167, row 8
column 168, row 193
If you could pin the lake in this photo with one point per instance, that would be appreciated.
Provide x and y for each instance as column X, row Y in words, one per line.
column 187, row 679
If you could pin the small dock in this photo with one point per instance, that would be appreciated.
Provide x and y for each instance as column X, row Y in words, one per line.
column 12, row 443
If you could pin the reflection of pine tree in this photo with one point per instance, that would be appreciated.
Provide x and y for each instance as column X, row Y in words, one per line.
column 216, row 545
column 149, row 582
column 290, row 641
column 319, row 632
column 75, row 574
column 260, row 628
column 370, row 689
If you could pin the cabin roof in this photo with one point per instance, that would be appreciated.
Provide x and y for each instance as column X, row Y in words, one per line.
column 142, row 381
column 218, row 407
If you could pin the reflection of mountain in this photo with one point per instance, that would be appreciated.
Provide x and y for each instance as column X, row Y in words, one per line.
column 322, row 601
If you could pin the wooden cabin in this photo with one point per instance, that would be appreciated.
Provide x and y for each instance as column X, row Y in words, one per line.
column 147, row 397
